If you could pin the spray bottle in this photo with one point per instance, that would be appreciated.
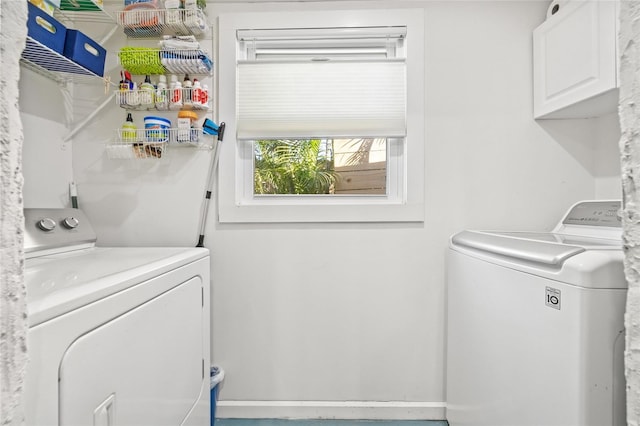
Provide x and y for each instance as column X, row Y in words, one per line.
column 129, row 130
column 146, row 93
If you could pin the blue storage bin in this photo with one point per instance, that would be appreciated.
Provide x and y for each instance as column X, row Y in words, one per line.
column 45, row 29
column 84, row 51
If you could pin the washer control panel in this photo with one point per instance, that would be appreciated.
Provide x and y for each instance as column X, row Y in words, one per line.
column 595, row 213
column 47, row 229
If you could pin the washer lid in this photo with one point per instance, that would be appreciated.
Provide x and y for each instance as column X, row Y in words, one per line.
column 584, row 241
column 538, row 250
column 59, row 283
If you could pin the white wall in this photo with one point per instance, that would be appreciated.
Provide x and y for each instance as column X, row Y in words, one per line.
column 607, row 158
column 145, row 202
column 319, row 313
column 331, row 313
column 45, row 110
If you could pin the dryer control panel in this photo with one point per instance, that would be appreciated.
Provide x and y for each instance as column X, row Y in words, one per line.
column 56, row 230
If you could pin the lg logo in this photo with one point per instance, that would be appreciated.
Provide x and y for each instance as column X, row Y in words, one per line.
column 552, row 298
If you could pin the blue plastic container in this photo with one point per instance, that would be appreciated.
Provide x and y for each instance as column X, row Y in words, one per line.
column 216, row 376
column 85, row 52
column 46, row 30
column 156, row 128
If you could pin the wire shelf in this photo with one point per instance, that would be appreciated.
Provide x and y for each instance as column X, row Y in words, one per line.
column 69, row 17
column 161, row 100
column 136, row 150
column 142, row 23
column 191, row 135
column 143, row 61
column 154, row 143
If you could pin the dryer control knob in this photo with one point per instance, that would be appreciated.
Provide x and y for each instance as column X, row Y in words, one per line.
column 47, row 224
column 70, row 222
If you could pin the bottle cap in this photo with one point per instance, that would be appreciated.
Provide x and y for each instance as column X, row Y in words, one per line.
column 187, row 114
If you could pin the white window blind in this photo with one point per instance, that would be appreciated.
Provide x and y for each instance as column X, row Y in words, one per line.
column 328, row 93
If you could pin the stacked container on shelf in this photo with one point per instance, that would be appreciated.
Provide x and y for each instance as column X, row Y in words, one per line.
column 52, row 47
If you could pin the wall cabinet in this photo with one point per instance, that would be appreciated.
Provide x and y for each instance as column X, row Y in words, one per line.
column 575, row 72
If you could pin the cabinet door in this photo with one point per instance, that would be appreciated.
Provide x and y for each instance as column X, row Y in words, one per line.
column 574, row 61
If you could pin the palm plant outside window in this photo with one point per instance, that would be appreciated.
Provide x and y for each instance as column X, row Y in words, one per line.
column 320, row 166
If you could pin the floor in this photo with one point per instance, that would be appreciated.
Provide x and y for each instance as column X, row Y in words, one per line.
column 278, row 422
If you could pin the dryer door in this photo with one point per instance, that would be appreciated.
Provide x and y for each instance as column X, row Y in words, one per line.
column 144, row 367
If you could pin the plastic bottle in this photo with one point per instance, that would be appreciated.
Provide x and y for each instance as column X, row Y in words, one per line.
column 161, row 94
column 123, row 92
column 133, row 97
column 129, row 130
column 146, row 93
column 176, row 93
column 196, row 94
column 187, row 88
column 204, row 96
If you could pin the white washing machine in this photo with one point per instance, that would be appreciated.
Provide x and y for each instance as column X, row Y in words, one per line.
column 117, row 336
column 536, row 324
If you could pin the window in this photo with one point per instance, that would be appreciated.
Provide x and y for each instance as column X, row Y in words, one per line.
column 320, row 123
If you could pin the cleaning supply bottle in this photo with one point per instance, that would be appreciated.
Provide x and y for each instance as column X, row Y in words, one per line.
column 196, row 94
column 147, row 93
column 161, row 98
column 204, row 96
column 129, row 130
column 133, row 98
column 176, row 93
column 124, row 90
column 187, row 88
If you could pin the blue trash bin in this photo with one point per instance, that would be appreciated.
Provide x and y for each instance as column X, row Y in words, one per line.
column 216, row 377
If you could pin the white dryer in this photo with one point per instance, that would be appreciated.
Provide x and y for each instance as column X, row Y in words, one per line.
column 535, row 332
column 117, row 335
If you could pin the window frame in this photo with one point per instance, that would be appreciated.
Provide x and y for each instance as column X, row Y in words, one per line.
column 404, row 201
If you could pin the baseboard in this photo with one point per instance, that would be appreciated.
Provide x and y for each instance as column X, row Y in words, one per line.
column 369, row 410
